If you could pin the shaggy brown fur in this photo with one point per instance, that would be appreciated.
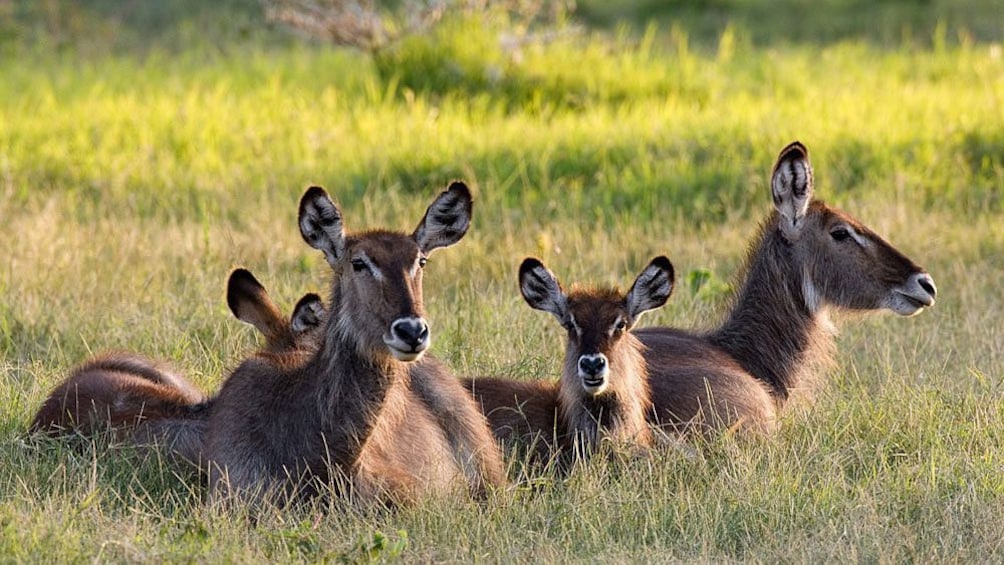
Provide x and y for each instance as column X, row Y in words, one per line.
column 603, row 392
column 461, row 421
column 807, row 259
column 128, row 394
column 355, row 407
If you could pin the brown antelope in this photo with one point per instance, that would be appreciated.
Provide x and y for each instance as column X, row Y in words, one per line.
column 808, row 259
column 353, row 407
column 250, row 303
column 603, row 391
column 128, row 394
column 148, row 402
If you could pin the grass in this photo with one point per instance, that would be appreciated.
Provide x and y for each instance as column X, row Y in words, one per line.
column 134, row 177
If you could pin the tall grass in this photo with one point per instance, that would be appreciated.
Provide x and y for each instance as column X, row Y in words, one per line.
column 131, row 183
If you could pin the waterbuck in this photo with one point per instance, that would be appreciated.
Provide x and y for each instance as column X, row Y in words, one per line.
column 130, row 395
column 807, row 259
column 250, row 303
column 603, row 391
column 146, row 402
column 353, row 407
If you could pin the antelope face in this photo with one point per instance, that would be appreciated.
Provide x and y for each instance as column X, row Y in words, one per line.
column 377, row 288
column 381, row 289
column 595, row 322
column 843, row 262
column 598, row 319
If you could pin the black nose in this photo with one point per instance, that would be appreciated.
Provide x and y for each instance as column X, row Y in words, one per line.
column 412, row 331
column 927, row 283
column 592, row 365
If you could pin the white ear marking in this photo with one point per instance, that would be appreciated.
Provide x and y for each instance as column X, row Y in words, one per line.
column 792, row 185
column 541, row 289
column 321, row 223
column 446, row 220
column 652, row 288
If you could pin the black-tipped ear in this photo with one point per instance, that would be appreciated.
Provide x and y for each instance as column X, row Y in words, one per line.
column 242, row 286
column 791, row 185
column 652, row 288
column 251, row 304
column 321, row 223
column 447, row 218
column 541, row 289
column 308, row 313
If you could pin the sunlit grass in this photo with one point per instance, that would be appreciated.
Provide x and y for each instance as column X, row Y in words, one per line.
column 130, row 186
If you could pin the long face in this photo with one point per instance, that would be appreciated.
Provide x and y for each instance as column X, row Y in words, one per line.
column 378, row 274
column 596, row 320
column 844, row 263
column 380, row 282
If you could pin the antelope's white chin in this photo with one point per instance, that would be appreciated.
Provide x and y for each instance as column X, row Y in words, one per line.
column 402, row 351
column 594, row 384
column 406, row 356
column 907, row 304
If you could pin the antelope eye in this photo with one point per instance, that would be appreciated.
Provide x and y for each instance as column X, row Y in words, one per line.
column 422, row 261
column 840, row 234
column 359, row 265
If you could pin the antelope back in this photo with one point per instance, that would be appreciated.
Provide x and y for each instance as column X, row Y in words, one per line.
column 376, row 297
column 842, row 262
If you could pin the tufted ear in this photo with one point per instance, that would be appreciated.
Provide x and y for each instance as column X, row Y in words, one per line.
column 541, row 289
column 791, row 186
column 446, row 220
column 251, row 304
column 321, row 223
column 652, row 288
column 308, row 314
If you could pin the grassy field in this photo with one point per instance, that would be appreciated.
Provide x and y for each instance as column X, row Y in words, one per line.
column 141, row 158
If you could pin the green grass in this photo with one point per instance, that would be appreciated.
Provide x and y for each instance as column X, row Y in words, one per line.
column 134, row 177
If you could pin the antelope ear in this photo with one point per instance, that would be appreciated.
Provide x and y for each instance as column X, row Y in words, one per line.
column 321, row 223
column 251, row 304
column 652, row 288
column 308, row 314
column 446, row 220
column 541, row 289
column 791, row 185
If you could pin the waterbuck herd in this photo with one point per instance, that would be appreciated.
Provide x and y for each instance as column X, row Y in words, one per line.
column 344, row 397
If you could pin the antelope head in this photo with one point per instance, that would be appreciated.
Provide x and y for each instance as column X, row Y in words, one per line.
column 843, row 263
column 597, row 320
column 377, row 288
column 250, row 303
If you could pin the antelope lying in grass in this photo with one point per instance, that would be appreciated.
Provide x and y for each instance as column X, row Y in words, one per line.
column 603, row 391
column 807, row 259
column 147, row 402
column 353, row 407
column 258, row 310
column 129, row 394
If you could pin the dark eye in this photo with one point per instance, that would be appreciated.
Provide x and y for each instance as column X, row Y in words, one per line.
column 840, row 234
column 359, row 265
column 422, row 261
column 620, row 327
